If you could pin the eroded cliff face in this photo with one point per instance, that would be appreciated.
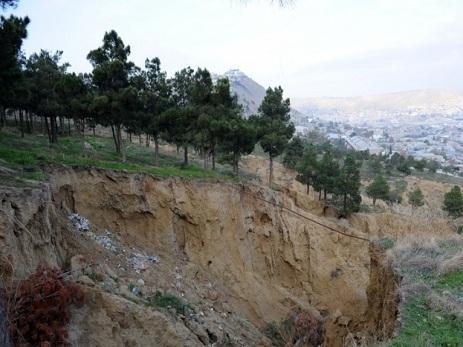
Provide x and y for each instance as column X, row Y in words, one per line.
column 267, row 260
column 220, row 246
column 31, row 230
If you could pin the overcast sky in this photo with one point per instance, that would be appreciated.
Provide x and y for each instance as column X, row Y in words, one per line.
column 311, row 48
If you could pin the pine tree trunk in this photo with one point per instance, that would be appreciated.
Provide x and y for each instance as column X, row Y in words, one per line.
column 120, row 140
column 235, row 163
column 54, row 129
column 61, row 125
column 374, row 201
column 116, row 143
column 30, row 126
column 48, row 128
column 69, row 126
column 140, row 141
column 2, row 116
column 213, row 157
column 308, row 189
column 185, row 155
column 21, row 122
column 156, row 151
column 319, row 195
column 270, row 176
column 147, row 140
column 324, row 194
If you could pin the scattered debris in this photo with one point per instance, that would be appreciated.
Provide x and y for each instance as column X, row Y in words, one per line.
column 140, row 262
column 82, row 224
column 106, row 241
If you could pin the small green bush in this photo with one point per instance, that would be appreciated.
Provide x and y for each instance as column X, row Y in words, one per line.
column 166, row 300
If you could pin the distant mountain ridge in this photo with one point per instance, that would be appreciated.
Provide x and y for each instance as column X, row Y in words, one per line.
column 250, row 93
column 410, row 104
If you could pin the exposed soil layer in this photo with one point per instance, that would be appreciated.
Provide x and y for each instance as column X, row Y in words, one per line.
column 239, row 261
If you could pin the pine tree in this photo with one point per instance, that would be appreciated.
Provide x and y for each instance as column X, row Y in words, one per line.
column 416, row 198
column 293, row 152
column 378, row 189
column 156, row 100
column 114, row 97
column 240, row 138
column 179, row 121
column 45, row 73
column 307, row 167
column 329, row 173
column 453, row 202
column 348, row 185
column 275, row 127
column 12, row 33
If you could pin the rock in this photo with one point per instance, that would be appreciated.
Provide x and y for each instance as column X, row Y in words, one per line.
column 85, row 280
column 81, row 224
column 140, row 282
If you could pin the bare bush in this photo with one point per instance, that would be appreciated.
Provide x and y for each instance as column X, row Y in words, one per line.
column 37, row 308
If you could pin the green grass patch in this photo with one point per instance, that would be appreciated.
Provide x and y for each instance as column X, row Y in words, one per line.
column 423, row 326
column 167, row 301
column 28, row 154
column 451, row 281
column 429, row 316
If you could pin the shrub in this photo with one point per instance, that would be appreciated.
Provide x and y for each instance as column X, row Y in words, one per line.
column 300, row 328
column 166, row 300
column 38, row 308
column 386, row 243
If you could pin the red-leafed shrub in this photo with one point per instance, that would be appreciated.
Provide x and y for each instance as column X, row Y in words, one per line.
column 38, row 308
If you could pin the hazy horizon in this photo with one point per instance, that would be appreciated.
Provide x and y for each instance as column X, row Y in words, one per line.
column 310, row 48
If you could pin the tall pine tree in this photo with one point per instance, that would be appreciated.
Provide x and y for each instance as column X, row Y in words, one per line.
column 275, row 127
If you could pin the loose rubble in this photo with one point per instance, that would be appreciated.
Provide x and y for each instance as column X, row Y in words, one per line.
column 82, row 224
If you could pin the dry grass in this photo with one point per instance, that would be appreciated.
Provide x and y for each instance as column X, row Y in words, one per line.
column 445, row 303
column 452, row 264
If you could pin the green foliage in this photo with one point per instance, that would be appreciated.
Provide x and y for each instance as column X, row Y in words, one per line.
column 273, row 122
column 378, row 189
column 115, row 99
column 432, row 166
column 416, row 198
column 307, row 167
column 348, row 185
column 166, row 301
column 327, row 179
column 386, row 243
column 293, row 152
column 453, row 202
column 12, row 33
